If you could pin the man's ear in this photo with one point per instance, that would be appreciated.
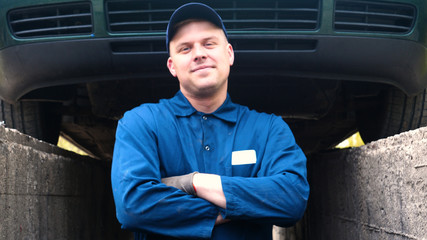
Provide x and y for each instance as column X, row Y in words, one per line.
column 231, row 54
column 171, row 67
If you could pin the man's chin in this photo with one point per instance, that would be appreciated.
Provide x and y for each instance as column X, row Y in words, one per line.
column 204, row 92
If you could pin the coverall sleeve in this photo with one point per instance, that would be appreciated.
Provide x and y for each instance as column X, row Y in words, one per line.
column 142, row 202
column 279, row 193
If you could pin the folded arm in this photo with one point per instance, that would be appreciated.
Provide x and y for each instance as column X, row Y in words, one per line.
column 278, row 194
column 143, row 203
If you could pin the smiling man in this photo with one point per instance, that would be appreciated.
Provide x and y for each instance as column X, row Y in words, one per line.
column 200, row 56
column 199, row 165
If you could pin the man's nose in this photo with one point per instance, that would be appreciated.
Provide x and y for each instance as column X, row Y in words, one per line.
column 199, row 53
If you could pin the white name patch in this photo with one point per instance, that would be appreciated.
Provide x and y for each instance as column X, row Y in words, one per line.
column 243, row 157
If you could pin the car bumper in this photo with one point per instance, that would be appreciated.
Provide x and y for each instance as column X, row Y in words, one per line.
column 27, row 67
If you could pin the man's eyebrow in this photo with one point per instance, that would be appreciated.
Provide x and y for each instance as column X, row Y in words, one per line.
column 211, row 38
column 179, row 45
column 203, row 39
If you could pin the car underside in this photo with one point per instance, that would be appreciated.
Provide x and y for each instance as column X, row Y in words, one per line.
column 329, row 68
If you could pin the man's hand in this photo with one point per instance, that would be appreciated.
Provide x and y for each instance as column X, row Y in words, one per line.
column 183, row 182
column 209, row 187
column 221, row 220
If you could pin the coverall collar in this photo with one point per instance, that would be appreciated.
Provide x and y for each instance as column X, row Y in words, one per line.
column 182, row 108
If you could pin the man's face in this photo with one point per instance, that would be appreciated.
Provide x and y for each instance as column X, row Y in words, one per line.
column 200, row 57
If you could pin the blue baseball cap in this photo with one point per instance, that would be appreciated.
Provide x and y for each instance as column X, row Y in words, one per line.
column 192, row 11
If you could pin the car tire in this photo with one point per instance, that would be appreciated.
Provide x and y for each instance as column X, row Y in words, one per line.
column 37, row 119
column 395, row 114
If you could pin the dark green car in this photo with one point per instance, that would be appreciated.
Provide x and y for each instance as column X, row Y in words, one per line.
column 329, row 67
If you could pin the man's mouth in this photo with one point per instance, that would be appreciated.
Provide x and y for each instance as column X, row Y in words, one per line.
column 201, row 68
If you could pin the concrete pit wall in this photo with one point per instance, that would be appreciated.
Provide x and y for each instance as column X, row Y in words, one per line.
column 50, row 193
column 377, row 191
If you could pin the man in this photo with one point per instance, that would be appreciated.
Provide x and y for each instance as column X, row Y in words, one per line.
column 198, row 165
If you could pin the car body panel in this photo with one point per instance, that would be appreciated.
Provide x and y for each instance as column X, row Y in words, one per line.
column 29, row 63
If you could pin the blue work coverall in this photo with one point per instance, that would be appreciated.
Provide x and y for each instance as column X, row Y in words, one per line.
column 262, row 169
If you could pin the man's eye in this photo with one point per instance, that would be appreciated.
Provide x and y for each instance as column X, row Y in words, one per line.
column 184, row 49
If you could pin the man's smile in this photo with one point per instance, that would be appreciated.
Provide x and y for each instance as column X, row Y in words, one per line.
column 201, row 67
